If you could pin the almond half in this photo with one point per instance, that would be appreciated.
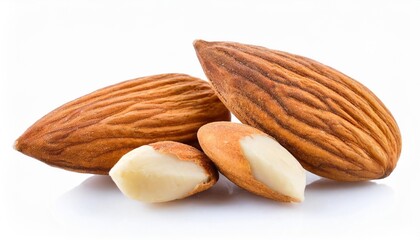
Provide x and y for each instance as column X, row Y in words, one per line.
column 163, row 171
column 253, row 160
column 332, row 124
column 91, row 133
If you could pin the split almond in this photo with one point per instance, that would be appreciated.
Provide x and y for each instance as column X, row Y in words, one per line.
column 332, row 124
column 91, row 133
column 253, row 160
column 163, row 171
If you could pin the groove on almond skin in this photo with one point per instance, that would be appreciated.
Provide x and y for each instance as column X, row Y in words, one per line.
column 91, row 133
column 350, row 98
column 332, row 124
column 333, row 91
column 299, row 121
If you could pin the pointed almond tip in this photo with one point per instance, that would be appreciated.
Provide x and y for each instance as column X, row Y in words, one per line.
column 16, row 145
column 20, row 145
column 198, row 44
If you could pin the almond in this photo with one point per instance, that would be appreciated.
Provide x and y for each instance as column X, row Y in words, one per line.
column 336, row 127
column 163, row 171
column 91, row 133
column 253, row 160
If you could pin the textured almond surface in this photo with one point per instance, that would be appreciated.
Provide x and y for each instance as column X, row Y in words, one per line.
column 91, row 133
column 253, row 160
column 163, row 171
column 335, row 126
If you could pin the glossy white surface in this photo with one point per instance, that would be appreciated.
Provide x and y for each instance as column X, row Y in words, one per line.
column 54, row 51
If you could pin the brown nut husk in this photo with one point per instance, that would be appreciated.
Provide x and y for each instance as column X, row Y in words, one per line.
column 91, row 133
column 336, row 127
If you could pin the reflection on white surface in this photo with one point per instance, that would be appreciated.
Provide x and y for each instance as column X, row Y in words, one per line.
column 97, row 205
column 340, row 199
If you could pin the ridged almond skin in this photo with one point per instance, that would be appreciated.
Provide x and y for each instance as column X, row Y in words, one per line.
column 336, row 127
column 91, row 133
column 220, row 141
column 188, row 153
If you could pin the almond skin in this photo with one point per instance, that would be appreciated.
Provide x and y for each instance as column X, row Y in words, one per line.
column 335, row 126
column 91, row 133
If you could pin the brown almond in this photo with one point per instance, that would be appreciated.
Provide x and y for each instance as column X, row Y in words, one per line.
column 91, row 133
column 336, row 127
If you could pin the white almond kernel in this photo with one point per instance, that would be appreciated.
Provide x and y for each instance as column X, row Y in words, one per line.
column 274, row 166
column 147, row 175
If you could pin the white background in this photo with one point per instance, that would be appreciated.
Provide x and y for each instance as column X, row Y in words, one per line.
column 54, row 51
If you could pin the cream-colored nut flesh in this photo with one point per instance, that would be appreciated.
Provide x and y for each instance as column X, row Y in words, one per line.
column 274, row 166
column 148, row 175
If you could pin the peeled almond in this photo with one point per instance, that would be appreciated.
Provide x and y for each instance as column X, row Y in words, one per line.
column 163, row 171
column 253, row 160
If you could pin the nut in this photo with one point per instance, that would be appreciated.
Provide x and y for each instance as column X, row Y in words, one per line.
column 253, row 160
column 332, row 124
column 91, row 133
column 163, row 171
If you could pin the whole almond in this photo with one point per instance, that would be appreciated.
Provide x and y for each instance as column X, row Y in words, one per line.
column 336, row 127
column 163, row 171
column 91, row 133
column 253, row 160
